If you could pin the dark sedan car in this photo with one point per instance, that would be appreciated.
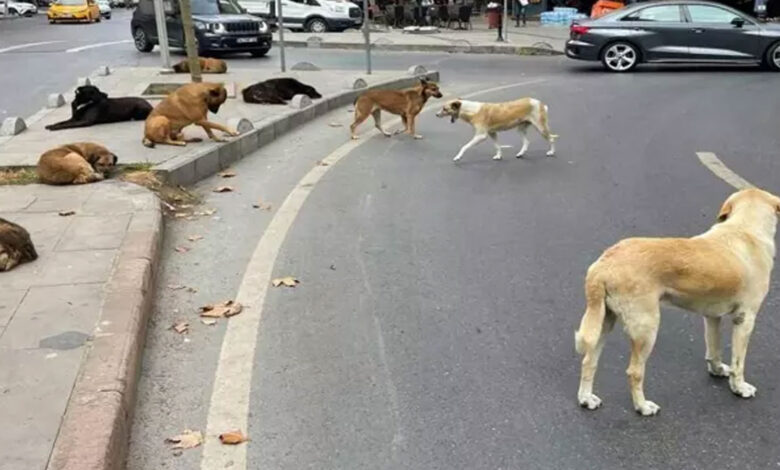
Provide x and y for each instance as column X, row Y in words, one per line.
column 675, row 31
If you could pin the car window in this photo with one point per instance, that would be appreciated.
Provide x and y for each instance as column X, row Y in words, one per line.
column 146, row 7
column 708, row 14
column 663, row 13
column 72, row 2
column 313, row 3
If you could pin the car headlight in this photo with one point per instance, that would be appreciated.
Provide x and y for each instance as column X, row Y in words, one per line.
column 218, row 28
column 199, row 25
column 262, row 27
column 337, row 9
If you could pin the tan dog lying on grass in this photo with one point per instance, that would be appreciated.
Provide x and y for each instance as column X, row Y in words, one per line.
column 189, row 104
column 15, row 245
column 723, row 272
column 77, row 163
column 407, row 103
column 207, row 65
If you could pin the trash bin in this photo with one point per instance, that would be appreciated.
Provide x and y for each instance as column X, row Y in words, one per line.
column 494, row 11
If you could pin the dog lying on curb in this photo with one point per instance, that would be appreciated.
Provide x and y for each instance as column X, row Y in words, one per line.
column 277, row 91
column 189, row 104
column 406, row 103
column 207, row 65
column 488, row 119
column 91, row 106
column 78, row 163
column 724, row 272
column 15, row 245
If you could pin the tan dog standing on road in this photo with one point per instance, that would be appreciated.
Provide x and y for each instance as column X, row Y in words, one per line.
column 488, row 119
column 407, row 103
column 77, row 163
column 189, row 104
column 207, row 65
column 722, row 272
column 15, row 245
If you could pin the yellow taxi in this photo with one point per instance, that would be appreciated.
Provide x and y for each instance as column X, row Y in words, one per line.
column 74, row 10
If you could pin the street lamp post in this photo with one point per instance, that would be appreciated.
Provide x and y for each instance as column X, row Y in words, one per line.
column 162, row 33
column 280, row 25
column 366, row 36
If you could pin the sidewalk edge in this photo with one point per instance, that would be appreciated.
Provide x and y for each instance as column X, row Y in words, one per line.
column 95, row 430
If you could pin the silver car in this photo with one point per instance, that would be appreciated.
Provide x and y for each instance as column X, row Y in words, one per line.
column 675, row 31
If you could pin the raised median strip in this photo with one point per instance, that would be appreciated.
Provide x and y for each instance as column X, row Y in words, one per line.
column 462, row 46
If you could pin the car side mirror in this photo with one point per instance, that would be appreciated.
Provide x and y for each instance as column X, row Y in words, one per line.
column 738, row 22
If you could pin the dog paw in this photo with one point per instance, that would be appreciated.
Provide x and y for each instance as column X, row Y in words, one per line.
column 418, row 136
column 551, row 153
column 234, row 133
column 589, row 401
column 743, row 389
column 456, row 158
column 520, row 155
column 648, row 408
column 496, row 157
column 718, row 369
column 354, row 137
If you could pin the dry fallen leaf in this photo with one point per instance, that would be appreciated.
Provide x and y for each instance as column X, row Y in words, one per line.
column 182, row 249
column 227, row 308
column 288, row 281
column 192, row 290
column 335, row 124
column 227, row 173
column 180, row 215
column 321, row 163
column 208, row 321
column 262, row 206
column 186, row 440
column 194, row 238
column 223, row 189
column 66, row 213
column 181, row 327
column 176, row 286
column 233, row 437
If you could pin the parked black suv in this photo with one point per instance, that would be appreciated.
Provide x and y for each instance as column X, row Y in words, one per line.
column 221, row 26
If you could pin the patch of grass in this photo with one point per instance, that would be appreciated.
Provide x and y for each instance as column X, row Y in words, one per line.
column 146, row 166
column 18, row 176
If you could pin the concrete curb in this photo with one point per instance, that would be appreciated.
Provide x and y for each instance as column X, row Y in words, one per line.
column 206, row 159
column 454, row 47
column 95, row 430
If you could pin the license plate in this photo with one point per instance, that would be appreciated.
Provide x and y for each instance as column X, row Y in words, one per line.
column 67, row 15
column 245, row 40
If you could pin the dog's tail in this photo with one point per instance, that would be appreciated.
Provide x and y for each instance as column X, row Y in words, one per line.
column 148, row 143
column 589, row 333
column 545, row 113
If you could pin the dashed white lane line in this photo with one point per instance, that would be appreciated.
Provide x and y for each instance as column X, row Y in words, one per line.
column 713, row 163
column 96, row 45
column 229, row 405
column 29, row 44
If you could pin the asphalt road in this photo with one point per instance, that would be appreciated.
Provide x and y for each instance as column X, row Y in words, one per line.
column 433, row 326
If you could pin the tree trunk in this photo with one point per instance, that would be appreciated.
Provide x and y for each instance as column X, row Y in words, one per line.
column 189, row 40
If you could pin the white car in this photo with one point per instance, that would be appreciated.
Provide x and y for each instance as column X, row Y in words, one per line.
column 105, row 9
column 20, row 9
column 316, row 16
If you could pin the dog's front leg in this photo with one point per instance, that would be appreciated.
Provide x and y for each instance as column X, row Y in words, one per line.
column 474, row 141
column 494, row 138
column 740, row 337
column 411, row 118
column 715, row 365
column 208, row 125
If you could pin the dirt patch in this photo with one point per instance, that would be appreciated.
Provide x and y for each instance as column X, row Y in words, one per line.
column 175, row 198
column 18, row 176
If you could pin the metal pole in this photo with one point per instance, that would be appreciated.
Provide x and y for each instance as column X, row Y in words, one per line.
column 280, row 25
column 189, row 40
column 366, row 36
column 505, row 22
column 162, row 33
column 5, row 9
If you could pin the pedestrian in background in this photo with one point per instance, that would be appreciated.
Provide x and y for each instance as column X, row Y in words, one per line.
column 520, row 6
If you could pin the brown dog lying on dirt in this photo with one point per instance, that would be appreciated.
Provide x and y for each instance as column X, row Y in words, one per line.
column 190, row 104
column 15, row 245
column 407, row 103
column 207, row 65
column 78, row 163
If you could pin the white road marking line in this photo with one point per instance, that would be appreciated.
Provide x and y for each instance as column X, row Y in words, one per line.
column 29, row 44
column 229, row 406
column 96, row 45
column 713, row 163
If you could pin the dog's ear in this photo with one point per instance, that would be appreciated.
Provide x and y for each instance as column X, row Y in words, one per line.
column 114, row 158
column 455, row 107
column 725, row 211
column 423, row 81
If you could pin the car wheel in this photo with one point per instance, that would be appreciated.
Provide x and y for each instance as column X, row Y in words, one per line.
column 620, row 57
column 316, row 25
column 259, row 52
column 108, row 17
column 98, row 19
column 773, row 57
column 13, row 12
column 141, row 40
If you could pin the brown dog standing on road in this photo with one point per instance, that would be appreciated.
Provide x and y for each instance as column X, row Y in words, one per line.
column 722, row 272
column 207, row 65
column 77, row 163
column 15, row 245
column 407, row 103
column 189, row 104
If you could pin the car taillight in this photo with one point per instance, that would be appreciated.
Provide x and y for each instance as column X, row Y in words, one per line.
column 579, row 29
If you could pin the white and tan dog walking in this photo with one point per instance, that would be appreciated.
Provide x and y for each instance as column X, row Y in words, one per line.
column 724, row 272
column 488, row 119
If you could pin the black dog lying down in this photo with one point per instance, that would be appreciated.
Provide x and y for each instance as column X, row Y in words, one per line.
column 277, row 91
column 92, row 106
